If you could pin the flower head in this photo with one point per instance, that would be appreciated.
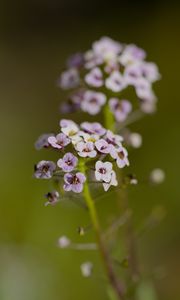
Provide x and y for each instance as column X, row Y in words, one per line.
column 74, row 182
column 68, row 162
column 44, row 169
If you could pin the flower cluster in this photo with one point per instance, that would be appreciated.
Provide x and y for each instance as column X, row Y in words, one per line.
column 109, row 68
column 89, row 144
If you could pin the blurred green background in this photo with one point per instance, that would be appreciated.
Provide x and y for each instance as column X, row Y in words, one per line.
column 35, row 39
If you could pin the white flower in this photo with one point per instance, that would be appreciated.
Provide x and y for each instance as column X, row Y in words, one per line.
column 106, row 48
column 93, row 102
column 115, row 82
column 86, row 149
column 157, row 176
column 94, row 78
column 70, row 130
column 69, row 79
column 64, row 242
column 103, row 171
column 121, row 157
column 86, row 269
column 135, row 140
column 132, row 54
column 113, row 182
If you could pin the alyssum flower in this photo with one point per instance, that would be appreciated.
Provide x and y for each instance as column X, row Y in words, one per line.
column 110, row 67
column 88, row 144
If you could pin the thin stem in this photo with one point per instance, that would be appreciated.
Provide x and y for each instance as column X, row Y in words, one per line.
column 131, row 241
column 108, row 118
column 114, row 281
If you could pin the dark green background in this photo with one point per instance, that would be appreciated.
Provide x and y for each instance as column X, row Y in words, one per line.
column 35, row 38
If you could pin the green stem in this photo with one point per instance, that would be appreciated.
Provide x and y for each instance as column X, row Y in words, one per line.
column 108, row 118
column 114, row 281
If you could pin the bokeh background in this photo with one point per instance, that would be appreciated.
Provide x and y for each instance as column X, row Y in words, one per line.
column 36, row 36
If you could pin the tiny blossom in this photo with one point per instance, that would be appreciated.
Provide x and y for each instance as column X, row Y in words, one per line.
column 103, row 171
column 120, row 109
column 115, row 82
column 70, row 130
column 76, row 60
column 133, row 73
column 106, row 48
column 135, row 140
column 69, row 79
column 64, row 242
column 113, row 139
column 52, row 197
column 91, row 137
column 86, row 269
column 150, row 71
column 77, row 97
column 74, row 182
column 44, row 169
column 86, row 149
column 112, row 182
column 93, row 128
column 111, row 66
column 68, row 162
column 103, row 146
column 144, row 90
column 92, row 60
column 157, row 176
column 42, row 141
column 94, row 78
column 66, row 123
column 132, row 54
column 93, row 102
column 59, row 141
column 121, row 157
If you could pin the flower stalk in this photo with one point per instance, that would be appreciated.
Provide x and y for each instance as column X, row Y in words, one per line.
column 116, row 284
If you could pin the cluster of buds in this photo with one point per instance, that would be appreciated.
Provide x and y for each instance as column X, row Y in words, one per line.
column 90, row 144
column 99, row 76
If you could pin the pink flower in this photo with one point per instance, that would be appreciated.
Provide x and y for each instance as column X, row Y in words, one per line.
column 86, row 149
column 74, row 182
column 94, row 78
column 103, row 147
column 68, row 162
column 59, row 141
column 120, row 108
column 93, row 102
column 115, row 82
column 69, row 79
